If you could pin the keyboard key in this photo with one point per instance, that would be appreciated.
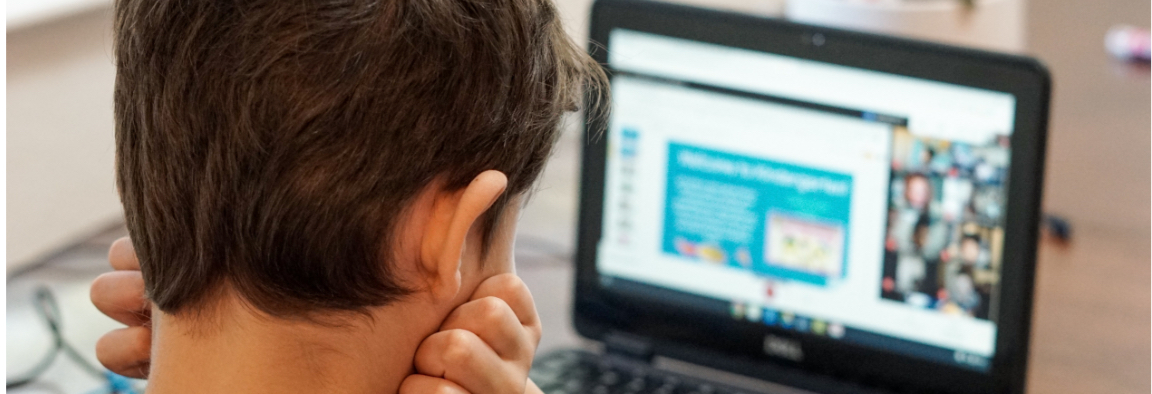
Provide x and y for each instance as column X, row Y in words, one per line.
column 636, row 384
column 609, row 378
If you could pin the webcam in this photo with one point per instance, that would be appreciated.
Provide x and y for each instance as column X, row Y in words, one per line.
column 815, row 39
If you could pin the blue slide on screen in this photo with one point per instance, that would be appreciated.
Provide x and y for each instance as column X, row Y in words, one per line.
column 775, row 219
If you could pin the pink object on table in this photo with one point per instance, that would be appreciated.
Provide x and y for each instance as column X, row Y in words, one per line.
column 1128, row 43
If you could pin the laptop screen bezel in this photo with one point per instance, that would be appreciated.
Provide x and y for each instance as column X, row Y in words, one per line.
column 737, row 345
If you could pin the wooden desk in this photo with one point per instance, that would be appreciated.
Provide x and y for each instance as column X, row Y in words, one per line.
column 1091, row 322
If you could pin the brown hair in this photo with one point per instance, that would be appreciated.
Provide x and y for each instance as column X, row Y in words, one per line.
column 272, row 145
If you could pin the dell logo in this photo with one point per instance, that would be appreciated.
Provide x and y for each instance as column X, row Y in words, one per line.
column 783, row 347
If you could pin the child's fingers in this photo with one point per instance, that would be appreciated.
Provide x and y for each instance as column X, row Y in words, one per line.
column 463, row 358
column 120, row 295
column 492, row 320
column 512, row 290
column 126, row 351
column 424, row 384
column 122, row 255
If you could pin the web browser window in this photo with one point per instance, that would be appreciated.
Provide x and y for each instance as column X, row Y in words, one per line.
column 839, row 202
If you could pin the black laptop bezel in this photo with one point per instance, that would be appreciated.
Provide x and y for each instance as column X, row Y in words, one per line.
column 736, row 345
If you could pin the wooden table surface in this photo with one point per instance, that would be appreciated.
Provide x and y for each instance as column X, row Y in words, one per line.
column 1091, row 322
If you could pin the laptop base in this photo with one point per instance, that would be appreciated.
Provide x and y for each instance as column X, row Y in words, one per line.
column 575, row 371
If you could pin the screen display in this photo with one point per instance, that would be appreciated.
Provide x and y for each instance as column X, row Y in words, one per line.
column 832, row 201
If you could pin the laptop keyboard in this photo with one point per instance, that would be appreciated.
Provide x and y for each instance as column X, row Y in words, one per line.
column 574, row 372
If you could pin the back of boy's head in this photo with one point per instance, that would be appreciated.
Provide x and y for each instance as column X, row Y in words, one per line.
column 273, row 145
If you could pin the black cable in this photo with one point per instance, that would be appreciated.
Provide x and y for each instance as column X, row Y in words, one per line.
column 1058, row 227
column 49, row 311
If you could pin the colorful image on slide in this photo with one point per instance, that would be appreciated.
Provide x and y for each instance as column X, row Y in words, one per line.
column 775, row 219
column 805, row 245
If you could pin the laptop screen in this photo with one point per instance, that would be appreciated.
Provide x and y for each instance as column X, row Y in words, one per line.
column 821, row 199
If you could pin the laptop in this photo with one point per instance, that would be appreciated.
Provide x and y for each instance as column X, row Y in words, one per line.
column 826, row 210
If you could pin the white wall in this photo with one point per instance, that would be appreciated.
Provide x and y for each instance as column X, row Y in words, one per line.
column 60, row 134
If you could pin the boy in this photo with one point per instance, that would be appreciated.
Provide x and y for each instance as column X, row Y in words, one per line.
column 323, row 194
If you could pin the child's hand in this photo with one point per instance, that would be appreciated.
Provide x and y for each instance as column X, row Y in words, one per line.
column 120, row 295
column 484, row 346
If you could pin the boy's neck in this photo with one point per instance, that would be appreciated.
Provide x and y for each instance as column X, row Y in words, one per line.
column 238, row 350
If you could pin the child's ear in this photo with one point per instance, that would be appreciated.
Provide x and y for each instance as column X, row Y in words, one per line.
column 446, row 234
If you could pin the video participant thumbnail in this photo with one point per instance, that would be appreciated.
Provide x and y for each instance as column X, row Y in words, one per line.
column 774, row 219
column 945, row 225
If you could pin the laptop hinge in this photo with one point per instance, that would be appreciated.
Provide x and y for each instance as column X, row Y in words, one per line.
column 628, row 346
